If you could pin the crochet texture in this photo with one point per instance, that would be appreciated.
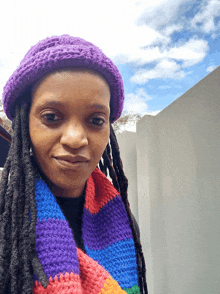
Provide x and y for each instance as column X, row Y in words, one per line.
column 109, row 265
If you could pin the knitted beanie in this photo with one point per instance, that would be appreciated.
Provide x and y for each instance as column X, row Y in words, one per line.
column 59, row 52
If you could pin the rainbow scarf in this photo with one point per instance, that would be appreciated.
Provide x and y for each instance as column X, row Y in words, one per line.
column 109, row 264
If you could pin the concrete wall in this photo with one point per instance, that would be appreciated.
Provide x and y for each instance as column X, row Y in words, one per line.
column 178, row 190
column 127, row 146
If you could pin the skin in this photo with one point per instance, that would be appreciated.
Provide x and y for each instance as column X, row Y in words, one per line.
column 74, row 127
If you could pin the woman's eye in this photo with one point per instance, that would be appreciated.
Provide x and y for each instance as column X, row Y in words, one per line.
column 98, row 119
column 49, row 117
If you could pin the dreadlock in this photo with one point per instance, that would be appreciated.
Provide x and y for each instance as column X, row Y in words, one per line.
column 120, row 183
column 18, row 213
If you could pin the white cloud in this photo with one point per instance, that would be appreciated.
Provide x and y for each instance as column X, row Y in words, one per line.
column 127, row 32
column 140, row 56
column 190, row 53
column 9, row 62
column 164, row 69
column 204, row 19
column 211, row 68
column 97, row 21
column 169, row 30
column 109, row 25
column 136, row 103
column 158, row 13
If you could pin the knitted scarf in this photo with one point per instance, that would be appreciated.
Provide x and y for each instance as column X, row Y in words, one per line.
column 109, row 264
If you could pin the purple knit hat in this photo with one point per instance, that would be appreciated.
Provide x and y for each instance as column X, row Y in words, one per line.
column 61, row 52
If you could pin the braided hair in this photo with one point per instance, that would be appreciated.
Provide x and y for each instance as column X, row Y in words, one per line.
column 18, row 258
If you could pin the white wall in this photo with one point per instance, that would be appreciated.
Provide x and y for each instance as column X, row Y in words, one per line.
column 178, row 185
column 127, row 146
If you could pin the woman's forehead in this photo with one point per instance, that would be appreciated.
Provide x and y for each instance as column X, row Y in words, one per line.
column 70, row 84
column 65, row 72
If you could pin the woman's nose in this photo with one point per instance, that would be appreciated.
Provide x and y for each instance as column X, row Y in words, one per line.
column 75, row 137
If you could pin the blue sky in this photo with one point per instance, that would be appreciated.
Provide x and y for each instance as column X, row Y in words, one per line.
column 161, row 47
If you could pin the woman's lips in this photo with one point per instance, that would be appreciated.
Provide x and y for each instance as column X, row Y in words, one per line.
column 71, row 165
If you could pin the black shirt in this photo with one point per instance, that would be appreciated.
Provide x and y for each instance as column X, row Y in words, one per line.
column 72, row 209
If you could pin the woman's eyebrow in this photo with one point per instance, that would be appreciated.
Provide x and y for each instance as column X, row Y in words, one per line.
column 99, row 106
column 58, row 103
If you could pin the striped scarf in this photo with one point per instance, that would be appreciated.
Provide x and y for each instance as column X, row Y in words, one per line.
column 109, row 264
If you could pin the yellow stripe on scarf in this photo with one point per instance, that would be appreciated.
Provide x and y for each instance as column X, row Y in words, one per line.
column 111, row 287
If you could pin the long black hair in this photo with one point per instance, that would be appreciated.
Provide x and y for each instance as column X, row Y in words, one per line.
column 18, row 258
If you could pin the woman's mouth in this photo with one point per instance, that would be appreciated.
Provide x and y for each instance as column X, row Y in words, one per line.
column 65, row 164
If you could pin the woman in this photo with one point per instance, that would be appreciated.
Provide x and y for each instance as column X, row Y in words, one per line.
column 65, row 228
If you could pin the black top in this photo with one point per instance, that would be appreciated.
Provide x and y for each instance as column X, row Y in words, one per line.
column 72, row 209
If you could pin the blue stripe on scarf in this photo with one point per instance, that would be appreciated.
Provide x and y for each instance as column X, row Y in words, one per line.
column 49, row 208
column 112, row 257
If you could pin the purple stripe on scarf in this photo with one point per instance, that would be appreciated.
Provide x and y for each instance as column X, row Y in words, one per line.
column 101, row 230
column 56, row 248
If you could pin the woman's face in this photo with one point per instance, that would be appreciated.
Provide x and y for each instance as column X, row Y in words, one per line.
column 69, row 115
